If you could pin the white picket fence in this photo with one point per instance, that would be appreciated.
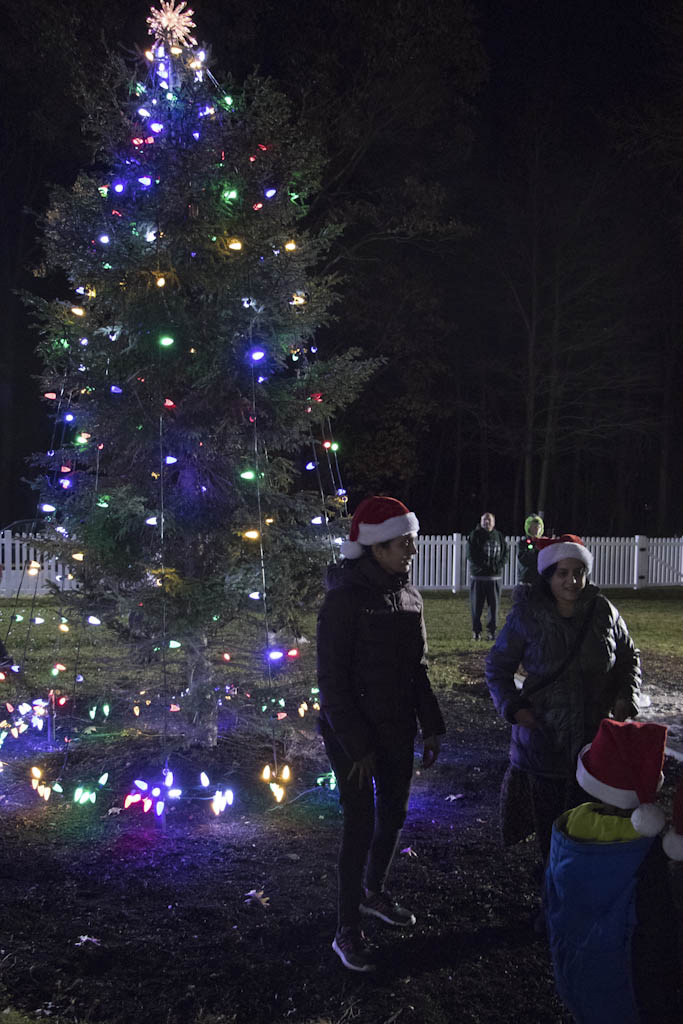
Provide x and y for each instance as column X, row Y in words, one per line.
column 17, row 552
column 440, row 563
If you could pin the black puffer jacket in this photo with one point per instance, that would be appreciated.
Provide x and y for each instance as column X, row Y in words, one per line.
column 372, row 660
column 487, row 552
column 527, row 560
column 569, row 710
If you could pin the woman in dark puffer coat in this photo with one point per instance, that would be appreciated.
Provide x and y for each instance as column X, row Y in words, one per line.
column 374, row 689
column 581, row 667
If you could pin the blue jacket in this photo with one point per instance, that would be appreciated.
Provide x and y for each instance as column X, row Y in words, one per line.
column 591, row 913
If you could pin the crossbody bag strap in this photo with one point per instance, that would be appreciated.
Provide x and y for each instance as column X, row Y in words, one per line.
column 571, row 654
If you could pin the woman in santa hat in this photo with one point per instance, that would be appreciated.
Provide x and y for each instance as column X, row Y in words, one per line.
column 374, row 688
column 581, row 667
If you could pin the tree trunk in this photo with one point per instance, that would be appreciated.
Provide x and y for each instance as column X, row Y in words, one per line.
column 665, row 426
column 555, row 386
column 200, row 702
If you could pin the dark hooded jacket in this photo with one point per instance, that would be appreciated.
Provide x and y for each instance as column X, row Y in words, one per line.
column 372, row 660
column 527, row 560
column 568, row 710
column 487, row 552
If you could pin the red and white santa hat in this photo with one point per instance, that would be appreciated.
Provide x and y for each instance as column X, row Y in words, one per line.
column 375, row 520
column 623, row 767
column 672, row 843
column 552, row 549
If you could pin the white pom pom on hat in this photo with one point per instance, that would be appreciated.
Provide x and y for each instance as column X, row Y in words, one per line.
column 623, row 767
column 552, row 549
column 376, row 520
column 648, row 820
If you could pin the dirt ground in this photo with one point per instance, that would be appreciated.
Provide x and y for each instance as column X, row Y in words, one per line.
column 108, row 917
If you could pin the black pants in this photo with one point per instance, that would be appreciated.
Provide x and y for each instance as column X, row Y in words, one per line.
column 373, row 818
column 484, row 591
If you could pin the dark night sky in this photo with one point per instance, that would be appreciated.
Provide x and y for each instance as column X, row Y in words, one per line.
column 588, row 62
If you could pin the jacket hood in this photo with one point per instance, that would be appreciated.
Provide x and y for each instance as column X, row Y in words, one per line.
column 528, row 522
column 363, row 572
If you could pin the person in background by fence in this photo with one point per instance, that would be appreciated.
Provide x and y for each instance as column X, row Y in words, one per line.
column 487, row 552
column 374, row 688
column 581, row 666
column 527, row 552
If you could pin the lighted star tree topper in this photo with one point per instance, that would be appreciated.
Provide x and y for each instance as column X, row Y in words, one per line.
column 172, row 25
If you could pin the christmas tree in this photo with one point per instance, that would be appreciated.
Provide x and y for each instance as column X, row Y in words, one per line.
column 184, row 380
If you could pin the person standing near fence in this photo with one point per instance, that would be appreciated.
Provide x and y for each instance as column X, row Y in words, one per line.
column 374, row 688
column 487, row 553
column 581, row 667
column 527, row 551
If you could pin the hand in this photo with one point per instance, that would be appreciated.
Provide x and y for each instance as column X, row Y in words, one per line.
column 527, row 718
column 430, row 750
column 364, row 769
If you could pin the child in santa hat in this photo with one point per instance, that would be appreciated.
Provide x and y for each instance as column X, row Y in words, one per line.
column 608, row 899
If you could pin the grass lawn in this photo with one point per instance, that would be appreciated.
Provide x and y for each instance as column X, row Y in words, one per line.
column 108, row 666
column 654, row 619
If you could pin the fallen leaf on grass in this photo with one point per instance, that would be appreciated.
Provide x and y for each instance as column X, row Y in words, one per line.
column 455, row 796
column 83, row 940
column 255, row 897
